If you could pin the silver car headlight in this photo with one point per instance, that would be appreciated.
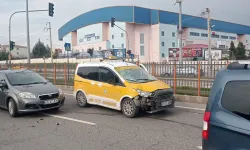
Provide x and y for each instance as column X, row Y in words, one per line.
column 27, row 95
column 143, row 93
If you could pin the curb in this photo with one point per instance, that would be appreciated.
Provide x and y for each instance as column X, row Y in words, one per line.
column 181, row 98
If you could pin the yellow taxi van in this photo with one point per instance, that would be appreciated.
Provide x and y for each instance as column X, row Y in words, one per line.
column 121, row 86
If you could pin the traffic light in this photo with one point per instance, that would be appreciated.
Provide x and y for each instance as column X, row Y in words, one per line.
column 112, row 22
column 129, row 52
column 90, row 51
column 51, row 9
column 12, row 45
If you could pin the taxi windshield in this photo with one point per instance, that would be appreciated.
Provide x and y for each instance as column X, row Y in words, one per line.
column 135, row 74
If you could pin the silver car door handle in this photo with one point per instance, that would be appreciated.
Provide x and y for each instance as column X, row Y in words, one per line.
column 93, row 83
column 99, row 84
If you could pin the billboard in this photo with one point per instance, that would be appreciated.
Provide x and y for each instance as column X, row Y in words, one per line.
column 216, row 54
column 186, row 52
column 120, row 53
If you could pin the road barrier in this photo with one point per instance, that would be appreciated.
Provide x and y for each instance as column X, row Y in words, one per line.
column 186, row 79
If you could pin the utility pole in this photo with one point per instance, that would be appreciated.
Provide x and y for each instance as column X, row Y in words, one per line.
column 180, row 29
column 28, row 34
column 208, row 13
column 49, row 28
column 209, row 35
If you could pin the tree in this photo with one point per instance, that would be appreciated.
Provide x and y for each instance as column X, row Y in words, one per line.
column 232, row 50
column 241, row 51
column 4, row 56
column 39, row 50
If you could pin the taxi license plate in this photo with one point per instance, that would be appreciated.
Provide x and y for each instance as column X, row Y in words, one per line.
column 51, row 101
column 166, row 103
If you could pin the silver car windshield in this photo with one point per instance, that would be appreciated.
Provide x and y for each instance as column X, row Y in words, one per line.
column 25, row 78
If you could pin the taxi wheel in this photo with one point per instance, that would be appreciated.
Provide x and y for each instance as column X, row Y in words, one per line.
column 81, row 99
column 12, row 108
column 129, row 109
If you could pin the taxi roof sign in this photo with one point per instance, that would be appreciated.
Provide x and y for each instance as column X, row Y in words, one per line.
column 113, row 58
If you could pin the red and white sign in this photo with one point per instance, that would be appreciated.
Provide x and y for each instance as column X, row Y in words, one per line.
column 186, row 52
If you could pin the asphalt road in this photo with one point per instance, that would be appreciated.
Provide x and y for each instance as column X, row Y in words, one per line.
column 98, row 128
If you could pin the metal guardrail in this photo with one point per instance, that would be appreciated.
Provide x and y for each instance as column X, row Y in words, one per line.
column 199, row 84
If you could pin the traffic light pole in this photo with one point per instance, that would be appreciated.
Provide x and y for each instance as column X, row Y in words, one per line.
column 10, row 29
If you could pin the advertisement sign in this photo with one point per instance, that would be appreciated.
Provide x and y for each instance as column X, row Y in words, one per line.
column 194, row 52
column 106, row 53
column 216, row 54
column 120, row 53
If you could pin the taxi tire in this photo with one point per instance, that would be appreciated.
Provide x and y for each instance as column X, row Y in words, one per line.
column 84, row 103
column 135, row 110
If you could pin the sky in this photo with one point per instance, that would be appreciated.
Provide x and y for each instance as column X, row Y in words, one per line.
column 236, row 11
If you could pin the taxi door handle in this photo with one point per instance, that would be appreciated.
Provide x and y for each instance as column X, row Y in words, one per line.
column 99, row 84
column 93, row 83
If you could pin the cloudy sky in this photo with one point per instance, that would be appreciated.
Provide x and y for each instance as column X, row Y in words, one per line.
column 226, row 10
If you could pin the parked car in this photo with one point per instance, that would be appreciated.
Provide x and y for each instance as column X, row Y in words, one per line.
column 184, row 71
column 24, row 91
column 226, row 123
column 122, row 86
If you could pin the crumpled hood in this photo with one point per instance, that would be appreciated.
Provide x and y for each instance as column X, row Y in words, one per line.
column 150, row 86
column 38, row 89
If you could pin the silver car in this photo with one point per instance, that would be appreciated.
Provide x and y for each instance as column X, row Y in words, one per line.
column 24, row 91
column 188, row 71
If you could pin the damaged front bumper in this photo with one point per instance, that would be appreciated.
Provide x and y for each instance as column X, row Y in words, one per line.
column 159, row 100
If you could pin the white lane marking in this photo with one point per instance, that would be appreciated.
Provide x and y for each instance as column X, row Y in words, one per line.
column 199, row 147
column 70, row 119
column 192, row 108
column 182, row 107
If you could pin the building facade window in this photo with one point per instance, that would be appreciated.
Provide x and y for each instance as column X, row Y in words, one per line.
column 162, row 55
column 97, row 37
column 142, row 38
column 224, row 37
column 194, row 34
column 215, row 36
column 232, row 38
column 113, row 46
column 204, row 35
column 100, row 48
column 173, row 34
column 113, row 36
column 122, row 35
column 173, row 44
column 142, row 50
column 122, row 45
column 162, row 33
column 162, row 44
column 88, row 39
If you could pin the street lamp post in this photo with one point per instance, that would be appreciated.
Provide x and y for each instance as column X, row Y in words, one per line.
column 28, row 34
column 180, row 29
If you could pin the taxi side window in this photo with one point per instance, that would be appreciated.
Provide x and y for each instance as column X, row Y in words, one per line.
column 90, row 73
column 107, row 76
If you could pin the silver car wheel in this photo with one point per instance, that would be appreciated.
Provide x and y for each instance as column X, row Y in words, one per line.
column 11, row 107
